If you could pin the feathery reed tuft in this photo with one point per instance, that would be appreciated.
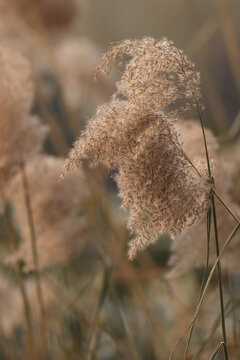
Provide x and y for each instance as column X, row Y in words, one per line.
column 135, row 133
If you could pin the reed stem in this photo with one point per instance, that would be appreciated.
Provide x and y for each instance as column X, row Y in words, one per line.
column 216, row 237
column 27, row 310
column 227, row 242
column 35, row 260
column 209, row 213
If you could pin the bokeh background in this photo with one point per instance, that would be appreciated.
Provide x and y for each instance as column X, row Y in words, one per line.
column 85, row 300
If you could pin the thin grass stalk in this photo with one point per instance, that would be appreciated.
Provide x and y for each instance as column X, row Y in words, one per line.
column 220, row 281
column 101, row 299
column 70, row 303
column 129, row 337
column 27, row 310
column 213, row 329
column 225, row 205
column 234, row 315
column 214, row 190
column 113, row 234
column 227, row 242
column 35, row 260
column 216, row 235
column 217, row 349
column 7, row 353
column 204, row 275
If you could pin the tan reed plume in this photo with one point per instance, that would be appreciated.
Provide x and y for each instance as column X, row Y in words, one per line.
column 136, row 133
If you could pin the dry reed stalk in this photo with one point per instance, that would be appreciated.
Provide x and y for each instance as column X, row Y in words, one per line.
column 21, row 283
column 209, row 278
column 16, row 97
column 36, row 262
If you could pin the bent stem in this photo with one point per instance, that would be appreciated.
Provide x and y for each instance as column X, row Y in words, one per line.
column 217, row 349
column 35, row 259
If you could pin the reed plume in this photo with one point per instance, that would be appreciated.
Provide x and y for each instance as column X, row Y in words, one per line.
column 136, row 133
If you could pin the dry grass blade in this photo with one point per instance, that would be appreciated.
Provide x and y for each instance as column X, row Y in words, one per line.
column 229, row 307
column 36, row 262
column 100, row 302
column 216, row 351
column 206, row 287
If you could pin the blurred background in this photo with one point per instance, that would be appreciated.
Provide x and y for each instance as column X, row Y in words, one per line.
column 67, row 289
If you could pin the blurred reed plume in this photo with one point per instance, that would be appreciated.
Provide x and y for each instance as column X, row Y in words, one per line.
column 77, row 59
column 33, row 27
column 135, row 132
column 57, row 208
column 51, row 13
column 187, row 251
column 21, row 134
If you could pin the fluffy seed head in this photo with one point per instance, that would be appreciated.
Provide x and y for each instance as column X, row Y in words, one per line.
column 157, row 72
column 136, row 133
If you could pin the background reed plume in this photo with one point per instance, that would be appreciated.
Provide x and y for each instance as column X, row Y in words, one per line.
column 21, row 134
column 57, row 208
